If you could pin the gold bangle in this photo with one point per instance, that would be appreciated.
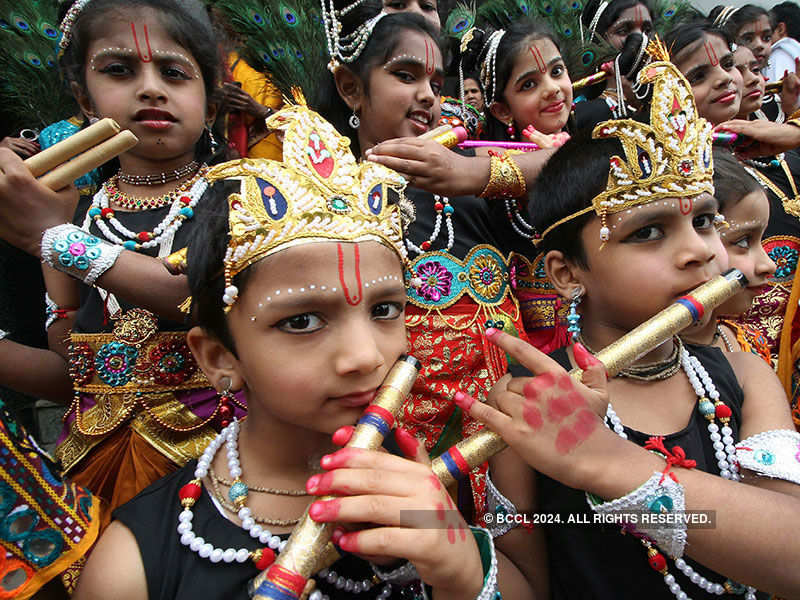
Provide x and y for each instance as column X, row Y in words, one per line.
column 505, row 179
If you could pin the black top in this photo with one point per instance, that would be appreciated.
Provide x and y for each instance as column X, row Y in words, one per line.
column 597, row 561
column 175, row 572
column 90, row 316
column 475, row 221
column 780, row 222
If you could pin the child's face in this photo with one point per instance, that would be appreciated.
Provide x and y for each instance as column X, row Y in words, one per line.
column 139, row 76
column 752, row 81
column 317, row 328
column 742, row 240
column 656, row 253
column 403, row 93
column 538, row 91
column 757, row 35
column 635, row 19
column 425, row 8
column 708, row 67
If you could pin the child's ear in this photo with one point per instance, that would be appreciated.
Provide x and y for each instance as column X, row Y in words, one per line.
column 350, row 88
column 563, row 273
column 216, row 361
column 211, row 114
column 501, row 111
column 84, row 102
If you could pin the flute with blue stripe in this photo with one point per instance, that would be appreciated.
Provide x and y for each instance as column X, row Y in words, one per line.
column 459, row 460
column 308, row 548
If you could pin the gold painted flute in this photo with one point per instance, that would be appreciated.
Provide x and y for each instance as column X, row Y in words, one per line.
column 58, row 166
column 459, row 460
column 309, row 549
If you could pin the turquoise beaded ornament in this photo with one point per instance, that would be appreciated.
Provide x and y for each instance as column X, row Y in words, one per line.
column 573, row 318
column 238, row 493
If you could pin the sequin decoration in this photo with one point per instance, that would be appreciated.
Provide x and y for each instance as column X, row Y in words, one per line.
column 81, row 363
column 114, row 363
column 486, row 275
column 436, row 280
column 173, row 362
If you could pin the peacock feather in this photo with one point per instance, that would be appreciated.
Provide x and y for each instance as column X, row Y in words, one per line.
column 460, row 20
column 285, row 40
column 670, row 13
column 32, row 94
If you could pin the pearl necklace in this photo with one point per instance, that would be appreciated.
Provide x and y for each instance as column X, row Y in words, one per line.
column 518, row 223
column 238, row 493
column 441, row 204
column 725, row 452
column 182, row 209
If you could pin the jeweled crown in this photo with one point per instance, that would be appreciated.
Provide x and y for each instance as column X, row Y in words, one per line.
column 668, row 157
column 320, row 192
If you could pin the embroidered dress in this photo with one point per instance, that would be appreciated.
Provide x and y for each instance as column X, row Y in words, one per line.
column 461, row 290
column 773, row 314
column 46, row 523
column 142, row 407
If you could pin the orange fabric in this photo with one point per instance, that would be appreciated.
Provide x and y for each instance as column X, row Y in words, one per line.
column 258, row 86
column 119, row 468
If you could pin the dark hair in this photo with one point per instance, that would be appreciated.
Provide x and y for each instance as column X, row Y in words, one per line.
column 382, row 42
column 731, row 181
column 513, row 43
column 610, row 14
column 205, row 253
column 684, row 35
column 186, row 21
column 742, row 16
column 569, row 181
column 787, row 13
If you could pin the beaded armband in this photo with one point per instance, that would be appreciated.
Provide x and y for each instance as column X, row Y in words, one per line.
column 498, row 504
column 773, row 454
column 505, row 179
column 657, row 495
column 71, row 250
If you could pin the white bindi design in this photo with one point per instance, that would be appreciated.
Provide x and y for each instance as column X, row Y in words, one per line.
column 403, row 58
column 129, row 53
column 325, row 288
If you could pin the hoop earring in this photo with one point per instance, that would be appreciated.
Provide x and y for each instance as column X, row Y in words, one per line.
column 354, row 121
column 225, row 404
column 512, row 132
column 573, row 318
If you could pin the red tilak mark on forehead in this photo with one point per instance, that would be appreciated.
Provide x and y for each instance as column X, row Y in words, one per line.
column 639, row 16
column 143, row 56
column 538, row 59
column 356, row 299
column 430, row 58
column 685, row 205
column 711, row 53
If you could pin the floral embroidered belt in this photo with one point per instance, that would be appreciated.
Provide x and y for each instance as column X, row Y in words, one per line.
column 141, row 373
column 442, row 279
column 135, row 357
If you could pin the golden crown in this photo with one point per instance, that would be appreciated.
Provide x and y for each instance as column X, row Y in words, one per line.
column 318, row 193
column 668, row 157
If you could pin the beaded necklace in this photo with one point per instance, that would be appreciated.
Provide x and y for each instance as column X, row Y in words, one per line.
column 518, row 222
column 158, row 178
column 262, row 557
column 441, row 204
column 712, row 408
column 137, row 203
column 182, row 209
column 791, row 206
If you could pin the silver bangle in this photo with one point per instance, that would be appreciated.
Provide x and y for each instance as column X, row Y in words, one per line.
column 496, row 501
column 71, row 250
